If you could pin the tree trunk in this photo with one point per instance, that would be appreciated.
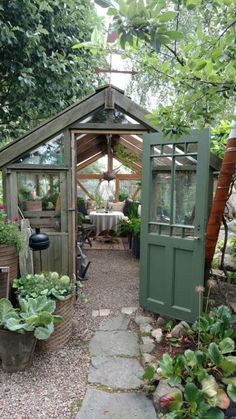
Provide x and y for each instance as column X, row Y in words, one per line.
column 221, row 196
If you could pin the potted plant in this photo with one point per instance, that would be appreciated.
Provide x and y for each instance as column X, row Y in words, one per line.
column 136, row 226
column 11, row 242
column 21, row 327
column 61, row 290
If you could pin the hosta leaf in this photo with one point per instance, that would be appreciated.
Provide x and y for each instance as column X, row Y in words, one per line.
column 210, row 386
column 57, row 319
column 14, row 325
column 231, row 380
column 227, row 345
column 149, row 372
column 42, row 333
column 214, row 353
column 191, row 392
column 214, row 413
column 231, row 390
column 227, row 366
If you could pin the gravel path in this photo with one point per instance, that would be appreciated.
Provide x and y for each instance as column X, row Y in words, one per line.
column 56, row 383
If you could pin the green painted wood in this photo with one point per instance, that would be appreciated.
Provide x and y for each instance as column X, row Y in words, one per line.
column 172, row 266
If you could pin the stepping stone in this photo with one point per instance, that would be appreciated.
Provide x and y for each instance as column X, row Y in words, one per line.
column 104, row 312
column 120, row 322
column 117, row 373
column 114, row 343
column 100, row 405
column 128, row 310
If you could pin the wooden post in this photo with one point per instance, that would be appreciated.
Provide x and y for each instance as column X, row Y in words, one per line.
column 221, row 195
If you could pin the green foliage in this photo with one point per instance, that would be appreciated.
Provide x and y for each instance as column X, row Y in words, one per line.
column 10, row 234
column 40, row 72
column 189, row 47
column 33, row 315
column 206, row 377
column 233, row 243
column 125, row 156
column 215, row 326
column 219, row 137
column 49, row 284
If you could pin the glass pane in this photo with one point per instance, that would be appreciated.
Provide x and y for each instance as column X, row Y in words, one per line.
column 128, row 188
column 168, row 149
column 99, row 166
column 156, row 149
column 51, row 152
column 158, row 162
column 39, row 199
column 184, row 197
column 161, row 197
column 192, row 147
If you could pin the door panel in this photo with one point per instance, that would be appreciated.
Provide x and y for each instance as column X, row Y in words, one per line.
column 174, row 215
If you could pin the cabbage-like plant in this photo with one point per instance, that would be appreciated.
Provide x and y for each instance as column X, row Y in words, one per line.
column 33, row 315
column 49, row 284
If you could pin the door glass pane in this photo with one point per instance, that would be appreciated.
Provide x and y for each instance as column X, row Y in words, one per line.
column 39, row 199
column 161, row 197
column 184, row 197
column 51, row 152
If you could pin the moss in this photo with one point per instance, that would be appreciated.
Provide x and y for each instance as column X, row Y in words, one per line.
column 76, row 406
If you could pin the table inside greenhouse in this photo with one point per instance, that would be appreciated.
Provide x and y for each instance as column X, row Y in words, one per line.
column 105, row 221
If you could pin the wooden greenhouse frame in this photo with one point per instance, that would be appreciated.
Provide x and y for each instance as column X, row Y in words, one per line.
column 84, row 129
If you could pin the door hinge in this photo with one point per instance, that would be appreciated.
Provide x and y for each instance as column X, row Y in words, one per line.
column 71, row 209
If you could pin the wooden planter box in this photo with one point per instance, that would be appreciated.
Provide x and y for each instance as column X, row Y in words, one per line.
column 9, row 258
column 33, row 206
column 62, row 331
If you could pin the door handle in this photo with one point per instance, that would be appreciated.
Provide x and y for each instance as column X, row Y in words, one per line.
column 196, row 238
column 71, row 209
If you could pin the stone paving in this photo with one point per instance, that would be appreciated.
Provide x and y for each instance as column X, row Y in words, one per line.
column 114, row 378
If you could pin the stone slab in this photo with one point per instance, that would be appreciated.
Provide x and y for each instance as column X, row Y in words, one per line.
column 114, row 343
column 116, row 373
column 120, row 322
column 100, row 405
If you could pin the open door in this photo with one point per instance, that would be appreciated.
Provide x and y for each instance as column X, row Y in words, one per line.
column 174, row 215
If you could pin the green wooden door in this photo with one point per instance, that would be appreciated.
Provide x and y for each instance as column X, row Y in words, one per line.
column 174, row 215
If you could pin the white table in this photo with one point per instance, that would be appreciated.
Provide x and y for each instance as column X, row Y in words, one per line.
column 105, row 220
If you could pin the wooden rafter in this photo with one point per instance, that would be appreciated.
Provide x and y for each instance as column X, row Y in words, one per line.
column 120, row 176
column 136, row 167
column 131, row 139
column 130, row 148
column 85, row 190
column 91, row 151
column 91, row 160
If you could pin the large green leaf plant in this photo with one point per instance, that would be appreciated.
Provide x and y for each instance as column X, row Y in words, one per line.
column 33, row 315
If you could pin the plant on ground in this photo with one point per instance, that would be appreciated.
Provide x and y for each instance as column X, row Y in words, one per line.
column 214, row 326
column 49, row 284
column 204, row 382
column 10, row 234
column 33, row 315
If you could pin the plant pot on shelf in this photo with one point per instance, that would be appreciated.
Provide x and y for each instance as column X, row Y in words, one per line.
column 33, row 205
column 62, row 331
column 16, row 350
column 9, row 258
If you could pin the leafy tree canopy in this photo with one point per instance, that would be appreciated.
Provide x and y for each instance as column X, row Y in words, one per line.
column 40, row 73
column 189, row 46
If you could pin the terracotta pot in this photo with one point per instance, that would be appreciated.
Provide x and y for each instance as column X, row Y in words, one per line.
column 9, row 258
column 16, row 350
column 33, row 205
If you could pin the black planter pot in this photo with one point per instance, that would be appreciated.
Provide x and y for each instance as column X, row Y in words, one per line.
column 16, row 350
column 136, row 246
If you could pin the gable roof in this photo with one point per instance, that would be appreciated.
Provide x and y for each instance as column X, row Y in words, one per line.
column 105, row 97
column 65, row 119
